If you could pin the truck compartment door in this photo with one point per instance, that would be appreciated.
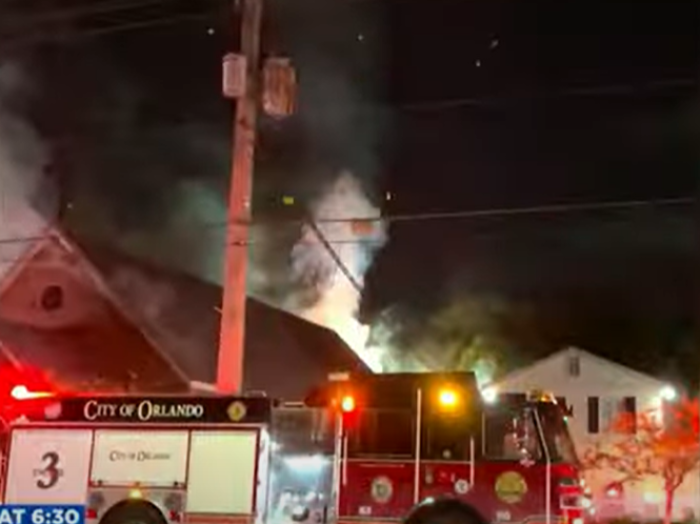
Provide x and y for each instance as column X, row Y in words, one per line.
column 143, row 457
column 222, row 472
column 48, row 466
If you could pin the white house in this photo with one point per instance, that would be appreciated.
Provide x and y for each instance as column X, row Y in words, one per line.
column 598, row 390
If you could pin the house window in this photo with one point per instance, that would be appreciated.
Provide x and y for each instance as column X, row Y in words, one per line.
column 593, row 415
column 629, row 407
column 618, row 414
column 574, row 367
column 51, row 298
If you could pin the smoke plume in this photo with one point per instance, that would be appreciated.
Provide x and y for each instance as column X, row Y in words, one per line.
column 350, row 227
column 22, row 160
column 147, row 165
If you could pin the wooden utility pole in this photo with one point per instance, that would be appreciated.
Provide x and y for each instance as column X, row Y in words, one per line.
column 231, row 351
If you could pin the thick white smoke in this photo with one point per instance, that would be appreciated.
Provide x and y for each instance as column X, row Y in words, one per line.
column 22, row 158
column 352, row 226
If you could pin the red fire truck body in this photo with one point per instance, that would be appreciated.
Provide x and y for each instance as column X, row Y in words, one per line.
column 368, row 449
column 153, row 460
column 413, row 438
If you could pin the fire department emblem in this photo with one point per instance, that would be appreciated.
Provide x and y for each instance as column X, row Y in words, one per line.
column 510, row 487
column 236, row 411
column 461, row 487
column 382, row 490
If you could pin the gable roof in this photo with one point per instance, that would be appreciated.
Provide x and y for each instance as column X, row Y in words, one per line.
column 92, row 339
column 174, row 316
column 592, row 357
column 181, row 314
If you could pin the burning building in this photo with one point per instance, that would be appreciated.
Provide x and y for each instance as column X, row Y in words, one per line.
column 97, row 319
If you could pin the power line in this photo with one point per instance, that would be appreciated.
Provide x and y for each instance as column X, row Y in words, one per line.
column 545, row 209
column 110, row 29
column 69, row 13
column 582, row 207
column 417, row 217
column 620, row 205
column 610, row 90
column 502, row 212
column 334, row 256
column 629, row 89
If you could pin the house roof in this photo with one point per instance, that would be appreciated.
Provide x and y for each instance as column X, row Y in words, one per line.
column 89, row 340
column 158, row 319
column 620, row 368
column 180, row 313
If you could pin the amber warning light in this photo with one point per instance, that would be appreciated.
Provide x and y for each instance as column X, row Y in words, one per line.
column 448, row 398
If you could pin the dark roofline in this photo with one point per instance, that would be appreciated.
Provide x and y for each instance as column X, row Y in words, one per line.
column 87, row 247
column 56, row 234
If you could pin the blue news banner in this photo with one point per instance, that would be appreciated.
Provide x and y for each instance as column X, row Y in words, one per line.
column 42, row 514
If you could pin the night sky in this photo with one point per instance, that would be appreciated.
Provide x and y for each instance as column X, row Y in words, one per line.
column 448, row 105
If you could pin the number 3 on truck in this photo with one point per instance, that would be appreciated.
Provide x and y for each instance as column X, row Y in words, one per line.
column 48, row 475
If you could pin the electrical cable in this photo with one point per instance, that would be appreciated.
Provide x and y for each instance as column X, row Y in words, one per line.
column 82, row 11
column 334, row 256
column 110, row 29
column 496, row 212
column 648, row 88
column 413, row 217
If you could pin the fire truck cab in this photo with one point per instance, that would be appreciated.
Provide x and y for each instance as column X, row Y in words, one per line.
column 409, row 440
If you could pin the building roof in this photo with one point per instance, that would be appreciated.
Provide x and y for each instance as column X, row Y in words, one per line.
column 89, row 340
column 157, row 328
column 142, row 325
column 621, row 370
column 181, row 314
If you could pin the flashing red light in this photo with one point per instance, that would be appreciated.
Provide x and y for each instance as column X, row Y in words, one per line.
column 347, row 404
column 22, row 392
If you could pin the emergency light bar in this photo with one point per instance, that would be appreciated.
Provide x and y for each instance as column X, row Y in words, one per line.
column 538, row 395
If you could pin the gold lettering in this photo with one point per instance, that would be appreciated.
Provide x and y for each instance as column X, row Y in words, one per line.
column 145, row 410
column 90, row 410
column 94, row 410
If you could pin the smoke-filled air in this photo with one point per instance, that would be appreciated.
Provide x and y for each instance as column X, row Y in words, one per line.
column 24, row 203
column 332, row 258
column 147, row 171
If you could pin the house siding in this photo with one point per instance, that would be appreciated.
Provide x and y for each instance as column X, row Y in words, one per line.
column 598, row 391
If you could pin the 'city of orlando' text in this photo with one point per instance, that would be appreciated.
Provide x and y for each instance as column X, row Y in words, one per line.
column 144, row 411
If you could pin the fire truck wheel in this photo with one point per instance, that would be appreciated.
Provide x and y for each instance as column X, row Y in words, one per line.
column 445, row 511
column 133, row 512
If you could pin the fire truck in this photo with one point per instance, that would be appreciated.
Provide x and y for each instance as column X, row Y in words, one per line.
column 361, row 449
